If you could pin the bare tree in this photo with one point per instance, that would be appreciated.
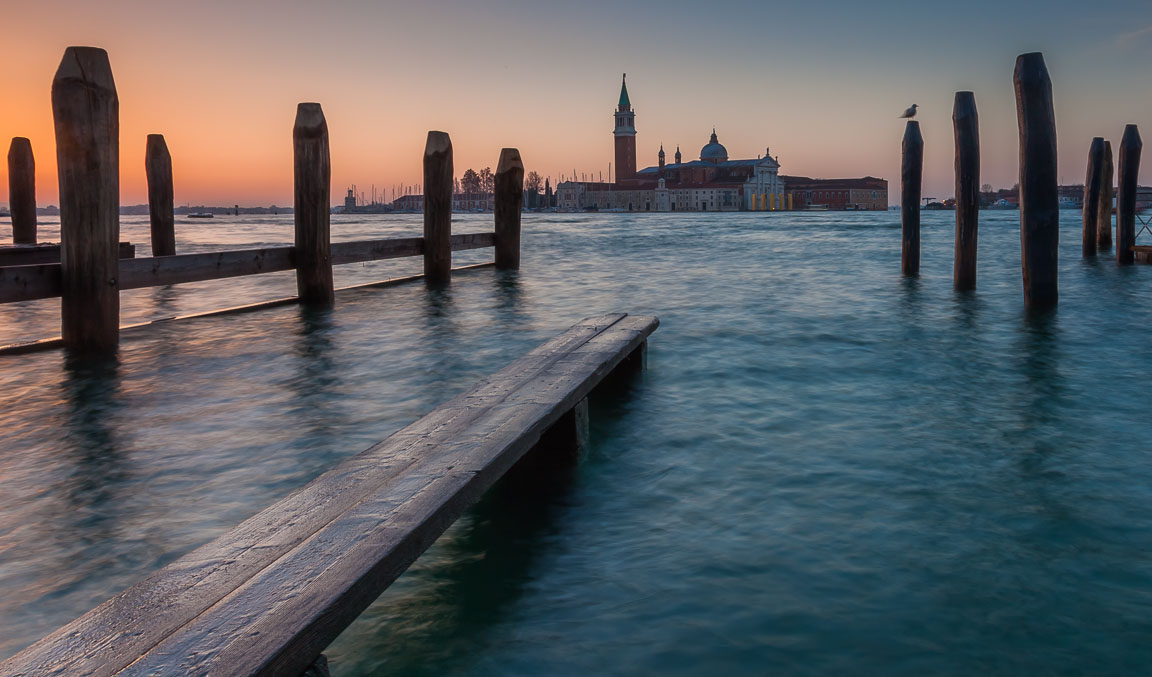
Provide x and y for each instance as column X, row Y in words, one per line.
column 470, row 182
column 532, row 184
column 487, row 180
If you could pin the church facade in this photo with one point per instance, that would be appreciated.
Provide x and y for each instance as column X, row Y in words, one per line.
column 712, row 183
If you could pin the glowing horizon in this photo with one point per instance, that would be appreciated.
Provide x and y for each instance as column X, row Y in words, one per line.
column 820, row 88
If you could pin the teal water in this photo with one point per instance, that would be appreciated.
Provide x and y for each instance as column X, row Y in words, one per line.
column 826, row 469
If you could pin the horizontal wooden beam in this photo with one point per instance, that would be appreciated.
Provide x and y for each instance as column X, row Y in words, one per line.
column 162, row 270
column 27, row 255
column 42, row 281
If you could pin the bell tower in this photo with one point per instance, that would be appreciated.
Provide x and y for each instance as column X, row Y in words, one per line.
column 625, row 134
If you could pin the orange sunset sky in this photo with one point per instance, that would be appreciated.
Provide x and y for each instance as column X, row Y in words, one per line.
column 821, row 85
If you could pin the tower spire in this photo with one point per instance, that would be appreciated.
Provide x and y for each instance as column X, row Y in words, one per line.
column 625, row 104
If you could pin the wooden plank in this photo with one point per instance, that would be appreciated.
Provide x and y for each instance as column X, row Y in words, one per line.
column 1142, row 253
column 108, row 638
column 161, row 217
column 472, row 241
column 86, row 111
column 282, row 618
column 28, row 283
column 1039, row 201
column 162, row 270
column 312, row 214
column 28, row 255
column 375, row 250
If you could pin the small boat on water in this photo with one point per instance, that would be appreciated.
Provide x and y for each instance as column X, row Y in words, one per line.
column 200, row 215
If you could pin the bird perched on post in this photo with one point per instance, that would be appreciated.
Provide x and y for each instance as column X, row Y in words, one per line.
column 911, row 112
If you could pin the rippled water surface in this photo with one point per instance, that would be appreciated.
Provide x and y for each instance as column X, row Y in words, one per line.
column 826, row 469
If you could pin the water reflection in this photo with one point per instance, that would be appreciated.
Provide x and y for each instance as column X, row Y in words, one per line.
column 92, row 397
column 317, row 381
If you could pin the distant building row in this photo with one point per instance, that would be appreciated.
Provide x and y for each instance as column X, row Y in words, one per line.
column 712, row 183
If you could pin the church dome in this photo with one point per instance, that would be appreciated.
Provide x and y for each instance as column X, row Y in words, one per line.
column 714, row 151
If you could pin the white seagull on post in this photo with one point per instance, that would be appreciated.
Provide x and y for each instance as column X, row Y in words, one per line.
column 911, row 112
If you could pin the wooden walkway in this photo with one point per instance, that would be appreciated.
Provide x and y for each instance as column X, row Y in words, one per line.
column 267, row 597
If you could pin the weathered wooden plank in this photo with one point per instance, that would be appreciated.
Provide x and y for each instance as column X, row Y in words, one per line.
column 86, row 111
column 472, row 241
column 509, row 199
column 278, row 621
column 22, row 191
column 110, row 637
column 966, row 124
column 27, row 255
column 1039, row 200
column 438, row 208
column 312, row 214
column 158, row 169
column 28, row 283
column 375, row 250
column 1128, row 175
column 162, row 270
column 911, row 176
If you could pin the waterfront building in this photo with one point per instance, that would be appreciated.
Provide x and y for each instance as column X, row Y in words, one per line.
column 866, row 194
column 714, row 182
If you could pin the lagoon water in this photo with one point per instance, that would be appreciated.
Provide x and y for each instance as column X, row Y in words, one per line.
column 826, row 469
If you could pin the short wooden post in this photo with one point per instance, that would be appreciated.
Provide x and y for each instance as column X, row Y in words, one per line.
column 22, row 191
column 1104, row 218
column 1128, row 171
column 509, row 186
column 911, row 175
column 87, row 116
column 1039, row 200
column 1092, row 181
column 158, row 168
column 966, row 123
column 313, row 183
column 438, row 208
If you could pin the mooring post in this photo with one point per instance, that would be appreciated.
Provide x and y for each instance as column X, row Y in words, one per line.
column 1039, row 201
column 22, row 191
column 966, row 123
column 1104, row 219
column 1092, row 181
column 313, row 183
column 87, row 118
column 1128, row 174
column 158, row 168
column 509, row 197
column 438, row 208
column 911, row 175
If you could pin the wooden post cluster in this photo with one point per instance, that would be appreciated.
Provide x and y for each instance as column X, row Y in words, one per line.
column 1128, row 174
column 509, row 198
column 312, row 168
column 438, row 208
column 911, row 176
column 1039, row 200
column 86, row 110
column 1092, row 193
column 1104, row 217
column 158, row 168
column 966, row 123
column 22, row 191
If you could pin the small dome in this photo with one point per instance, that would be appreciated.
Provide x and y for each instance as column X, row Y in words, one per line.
column 714, row 152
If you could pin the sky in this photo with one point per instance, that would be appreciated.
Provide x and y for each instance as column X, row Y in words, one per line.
column 819, row 83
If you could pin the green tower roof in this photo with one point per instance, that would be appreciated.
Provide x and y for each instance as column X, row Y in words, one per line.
column 624, row 92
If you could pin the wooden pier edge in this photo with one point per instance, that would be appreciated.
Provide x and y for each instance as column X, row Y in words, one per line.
column 267, row 597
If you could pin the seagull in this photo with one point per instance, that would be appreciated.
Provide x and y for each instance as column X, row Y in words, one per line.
column 911, row 112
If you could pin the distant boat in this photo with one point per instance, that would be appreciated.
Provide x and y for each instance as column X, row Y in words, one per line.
column 816, row 208
column 200, row 215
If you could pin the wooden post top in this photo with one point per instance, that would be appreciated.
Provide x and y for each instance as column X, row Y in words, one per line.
column 1131, row 138
column 156, row 142
column 19, row 145
column 85, row 67
column 310, row 122
column 912, row 136
column 438, row 142
column 509, row 160
column 964, row 106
